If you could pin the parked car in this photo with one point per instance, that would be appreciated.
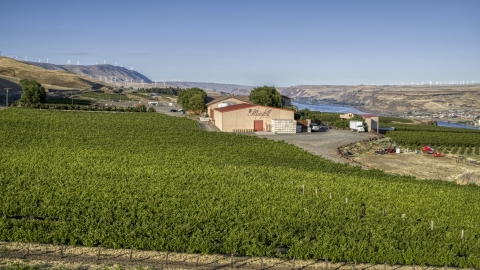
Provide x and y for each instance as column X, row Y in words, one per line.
column 314, row 127
column 173, row 110
column 317, row 128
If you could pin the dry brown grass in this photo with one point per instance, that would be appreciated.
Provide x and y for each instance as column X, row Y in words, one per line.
column 424, row 166
column 14, row 71
column 469, row 178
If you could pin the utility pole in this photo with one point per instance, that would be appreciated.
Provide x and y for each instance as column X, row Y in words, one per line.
column 6, row 100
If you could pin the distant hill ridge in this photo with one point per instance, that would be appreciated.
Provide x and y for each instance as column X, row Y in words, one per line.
column 103, row 72
column 12, row 71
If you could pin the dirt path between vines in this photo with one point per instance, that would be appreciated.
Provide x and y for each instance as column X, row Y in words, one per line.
column 42, row 256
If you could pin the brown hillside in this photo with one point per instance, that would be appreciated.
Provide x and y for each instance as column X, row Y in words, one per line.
column 14, row 71
column 392, row 99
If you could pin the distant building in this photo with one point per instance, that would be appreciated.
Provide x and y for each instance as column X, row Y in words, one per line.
column 346, row 115
column 372, row 120
column 286, row 101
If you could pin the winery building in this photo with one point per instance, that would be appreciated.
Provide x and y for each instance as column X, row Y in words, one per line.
column 246, row 117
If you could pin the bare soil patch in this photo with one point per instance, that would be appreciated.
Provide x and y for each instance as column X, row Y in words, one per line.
column 423, row 166
column 42, row 256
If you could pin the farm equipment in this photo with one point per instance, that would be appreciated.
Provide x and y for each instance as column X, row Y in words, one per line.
column 384, row 151
column 429, row 150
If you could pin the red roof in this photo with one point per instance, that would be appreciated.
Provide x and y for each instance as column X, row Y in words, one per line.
column 368, row 115
column 244, row 106
column 235, row 107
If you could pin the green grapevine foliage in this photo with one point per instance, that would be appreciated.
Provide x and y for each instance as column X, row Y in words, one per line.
column 151, row 181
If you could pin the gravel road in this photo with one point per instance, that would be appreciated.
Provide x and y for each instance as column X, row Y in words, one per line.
column 324, row 144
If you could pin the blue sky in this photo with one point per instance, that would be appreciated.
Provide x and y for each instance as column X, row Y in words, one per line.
column 274, row 42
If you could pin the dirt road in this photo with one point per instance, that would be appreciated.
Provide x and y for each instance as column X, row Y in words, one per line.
column 324, row 144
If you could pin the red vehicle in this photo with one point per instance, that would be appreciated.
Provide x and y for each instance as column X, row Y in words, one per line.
column 429, row 150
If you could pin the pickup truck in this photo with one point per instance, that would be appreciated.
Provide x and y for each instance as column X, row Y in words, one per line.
column 316, row 127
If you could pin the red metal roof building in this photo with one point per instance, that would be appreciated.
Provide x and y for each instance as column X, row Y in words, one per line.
column 249, row 117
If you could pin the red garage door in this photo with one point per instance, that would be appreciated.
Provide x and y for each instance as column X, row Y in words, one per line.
column 258, row 125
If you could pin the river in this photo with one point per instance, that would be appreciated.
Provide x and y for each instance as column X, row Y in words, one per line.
column 346, row 109
column 326, row 108
column 454, row 125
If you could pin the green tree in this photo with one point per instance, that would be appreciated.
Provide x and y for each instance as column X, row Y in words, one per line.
column 192, row 99
column 307, row 114
column 267, row 96
column 197, row 103
column 33, row 92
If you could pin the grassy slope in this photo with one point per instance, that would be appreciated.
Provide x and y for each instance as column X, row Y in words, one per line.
column 156, row 182
column 50, row 79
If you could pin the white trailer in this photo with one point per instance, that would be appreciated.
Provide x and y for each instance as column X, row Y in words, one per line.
column 357, row 126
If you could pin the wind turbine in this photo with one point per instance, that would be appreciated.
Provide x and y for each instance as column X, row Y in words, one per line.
column 115, row 63
column 47, row 60
column 131, row 68
column 39, row 60
column 78, row 63
column 104, row 61
column 68, row 61
column 26, row 58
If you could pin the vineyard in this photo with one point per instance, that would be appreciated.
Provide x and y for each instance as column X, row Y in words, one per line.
column 389, row 120
column 155, row 182
column 450, row 140
column 430, row 128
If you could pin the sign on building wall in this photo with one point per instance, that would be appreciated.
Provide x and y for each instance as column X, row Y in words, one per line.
column 259, row 113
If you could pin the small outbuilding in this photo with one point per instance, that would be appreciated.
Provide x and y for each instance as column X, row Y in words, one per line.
column 372, row 120
column 346, row 115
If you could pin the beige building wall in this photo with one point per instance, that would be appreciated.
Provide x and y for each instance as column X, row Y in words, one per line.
column 245, row 118
column 373, row 123
column 218, row 120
